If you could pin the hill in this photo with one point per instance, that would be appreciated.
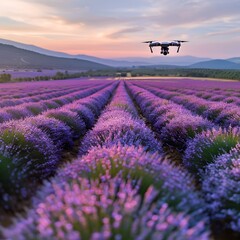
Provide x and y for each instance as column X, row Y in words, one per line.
column 235, row 59
column 216, row 64
column 165, row 60
column 109, row 62
column 13, row 57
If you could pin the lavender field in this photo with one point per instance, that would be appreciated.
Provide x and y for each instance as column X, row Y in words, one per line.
column 115, row 159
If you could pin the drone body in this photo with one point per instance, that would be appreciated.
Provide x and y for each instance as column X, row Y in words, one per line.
column 164, row 45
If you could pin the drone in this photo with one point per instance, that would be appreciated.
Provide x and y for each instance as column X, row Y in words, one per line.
column 165, row 45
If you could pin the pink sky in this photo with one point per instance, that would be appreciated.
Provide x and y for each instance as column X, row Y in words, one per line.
column 116, row 28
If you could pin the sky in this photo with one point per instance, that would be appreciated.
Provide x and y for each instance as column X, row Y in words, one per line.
column 114, row 29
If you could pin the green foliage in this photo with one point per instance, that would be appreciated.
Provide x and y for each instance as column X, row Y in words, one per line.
column 206, row 149
column 135, row 72
column 5, row 77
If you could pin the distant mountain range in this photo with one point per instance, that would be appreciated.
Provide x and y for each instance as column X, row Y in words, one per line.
column 13, row 57
column 15, row 54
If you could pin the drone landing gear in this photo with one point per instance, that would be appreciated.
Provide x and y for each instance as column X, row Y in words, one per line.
column 165, row 50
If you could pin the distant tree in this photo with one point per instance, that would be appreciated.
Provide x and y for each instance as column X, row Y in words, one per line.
column 5, row 77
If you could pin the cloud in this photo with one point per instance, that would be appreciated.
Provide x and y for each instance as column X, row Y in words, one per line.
column 11, row 24
column 109, row 22
column 180, row 13
column 125, row 32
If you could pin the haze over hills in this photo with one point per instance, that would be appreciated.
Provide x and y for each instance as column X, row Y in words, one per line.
column 44, row 51
column 13, row 57
column 216, row 64
column 236, row 59
column 166, row 60
column 53, row 59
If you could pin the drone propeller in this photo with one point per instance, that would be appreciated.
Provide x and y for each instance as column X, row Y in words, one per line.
column 149, row 45
column 148, row 42
column 180, row 41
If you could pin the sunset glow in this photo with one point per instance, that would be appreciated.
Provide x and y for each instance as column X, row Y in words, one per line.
column 116, row 28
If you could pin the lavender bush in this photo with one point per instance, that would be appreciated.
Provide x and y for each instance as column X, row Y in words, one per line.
column 84, row 113
column 117, row 125
column 205, row 147
column 183, row 128
column 57, row 131
column 220, row 186
column 27, row 156
column 173, row 124
column 69, row 118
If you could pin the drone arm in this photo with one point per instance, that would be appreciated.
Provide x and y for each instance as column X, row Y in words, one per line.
column 151, row 49
column 178, row 48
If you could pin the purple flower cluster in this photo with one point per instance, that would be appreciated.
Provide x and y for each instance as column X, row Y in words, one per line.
column 69, row 118
column 221, row 113
column 212, row 95
column 27, row 155
column 88, row 200
column 220, row 186
column 120, row 124
column 29, row 109
column 208, row 145
column 35, row 97
column 57, row 131
column 174, row 124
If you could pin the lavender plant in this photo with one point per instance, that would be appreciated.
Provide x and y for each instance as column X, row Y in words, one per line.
column 220, row 186
column 69, row 118
column 57, row 131
column 27, row 155
column 183, row 128
column 206, row 146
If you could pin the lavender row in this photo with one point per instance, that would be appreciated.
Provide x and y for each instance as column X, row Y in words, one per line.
column 31, row 149
column 17, row 93
column 28, row 89
column 214, row 157
column 33, row 109
column 39, row 96
column 210, row 95
column 220, row 113
column 228, row 94
column 220, row 185
column 119, row 123
column 229, row 89
column 220, row 95
column 174, row 124
column 201, row 85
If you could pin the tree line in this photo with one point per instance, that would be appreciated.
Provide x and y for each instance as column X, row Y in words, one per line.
column 134, row 72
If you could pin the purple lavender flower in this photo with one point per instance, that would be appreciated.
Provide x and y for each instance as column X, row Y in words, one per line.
column 4, row 116
column 206, row 146
column 220, row 186
column 27, row 155
column 229, row 116
column 83, row 112
column 120, row 125
column 56, row 130
column 70, row 118
column 183, row 128
column 18, row 112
